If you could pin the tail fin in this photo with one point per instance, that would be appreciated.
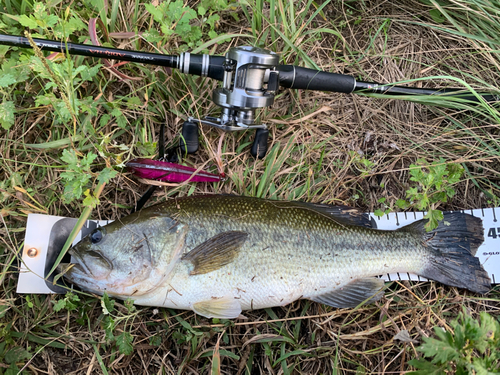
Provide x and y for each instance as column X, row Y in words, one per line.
column 454, row 243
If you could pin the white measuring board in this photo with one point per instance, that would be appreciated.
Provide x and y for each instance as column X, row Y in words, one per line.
column 46, row 234
column 45, row 237
column 488, row 253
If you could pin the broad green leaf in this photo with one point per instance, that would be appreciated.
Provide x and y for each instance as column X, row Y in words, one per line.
column 437, row 16
column 124, row 343
column 108, row 324
column 69, row 157
column 106, row 175
column 59, row 305
column 401, row 203
column 7, row 80
column 90, row 200
column 17, row 354
column 7, row 114
column 27, row 22
column 107, row 304
column 425, row 368
column 434, row 217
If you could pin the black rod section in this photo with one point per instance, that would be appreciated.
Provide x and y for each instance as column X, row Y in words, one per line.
column 295, row 77
column 92, row 51
column 188, row 63
column 377, row 88
column 290, row 76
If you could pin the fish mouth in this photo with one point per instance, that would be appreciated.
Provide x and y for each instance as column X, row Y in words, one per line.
column 72, row 271
column 78, row 275
column 75, row 271
column 88, row 269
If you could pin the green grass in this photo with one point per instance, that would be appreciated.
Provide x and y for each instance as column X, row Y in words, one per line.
column 68, row 126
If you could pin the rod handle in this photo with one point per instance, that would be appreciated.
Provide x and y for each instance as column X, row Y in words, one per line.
column 296, row 77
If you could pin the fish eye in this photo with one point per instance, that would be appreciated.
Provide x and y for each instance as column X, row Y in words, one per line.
column 97, row 235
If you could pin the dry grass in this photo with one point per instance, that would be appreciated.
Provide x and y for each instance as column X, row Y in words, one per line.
column 321, row 140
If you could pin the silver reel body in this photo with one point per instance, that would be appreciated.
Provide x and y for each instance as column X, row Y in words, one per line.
column 250, row 82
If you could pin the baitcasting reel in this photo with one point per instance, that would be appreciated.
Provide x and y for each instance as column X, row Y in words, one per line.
column 250, row 81
column 250, row 78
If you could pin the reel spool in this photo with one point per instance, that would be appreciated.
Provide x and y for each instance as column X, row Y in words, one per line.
column 250, row 82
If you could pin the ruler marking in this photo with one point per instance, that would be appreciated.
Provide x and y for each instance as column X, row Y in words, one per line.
column 494, row 215
column 397, row 219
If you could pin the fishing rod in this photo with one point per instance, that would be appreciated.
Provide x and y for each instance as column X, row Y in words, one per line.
column 250, row 79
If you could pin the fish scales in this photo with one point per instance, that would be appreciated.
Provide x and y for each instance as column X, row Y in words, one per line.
column 278, row 250
column 240, row 253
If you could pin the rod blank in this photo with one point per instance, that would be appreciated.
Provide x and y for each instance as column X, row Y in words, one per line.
column 293, row 77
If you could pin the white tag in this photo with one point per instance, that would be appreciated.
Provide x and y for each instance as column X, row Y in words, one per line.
column 45, row 236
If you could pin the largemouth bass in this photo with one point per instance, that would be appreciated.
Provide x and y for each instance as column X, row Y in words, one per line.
column 219, row 255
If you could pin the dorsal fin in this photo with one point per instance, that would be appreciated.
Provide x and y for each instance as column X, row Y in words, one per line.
column 344, row 215
column 215, row 252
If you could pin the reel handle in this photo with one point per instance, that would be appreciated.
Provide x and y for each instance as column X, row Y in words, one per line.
column 189, row 140
column 259, row 146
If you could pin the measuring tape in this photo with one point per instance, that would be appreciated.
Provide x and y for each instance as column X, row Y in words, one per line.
column 488, row 253
column 46, row 234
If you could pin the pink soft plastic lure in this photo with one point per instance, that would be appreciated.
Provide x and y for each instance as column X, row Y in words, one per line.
column 170, row 172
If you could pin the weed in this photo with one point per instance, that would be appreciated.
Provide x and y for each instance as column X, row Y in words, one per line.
column 70, row 302
column 434, row 186
column 470, row 348
column 56, row 155
column 385, row 209
column 176, row 20
column 13, row 357
column 124, row 340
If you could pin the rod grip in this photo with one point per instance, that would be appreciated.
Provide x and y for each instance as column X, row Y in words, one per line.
column 296, row 77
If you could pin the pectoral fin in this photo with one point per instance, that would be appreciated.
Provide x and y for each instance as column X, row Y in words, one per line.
column 353, row 294
column 223, row 308
column 215, row 252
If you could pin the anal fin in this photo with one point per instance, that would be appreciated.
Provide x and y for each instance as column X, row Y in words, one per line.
column 224, row 308
column 353, row 294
